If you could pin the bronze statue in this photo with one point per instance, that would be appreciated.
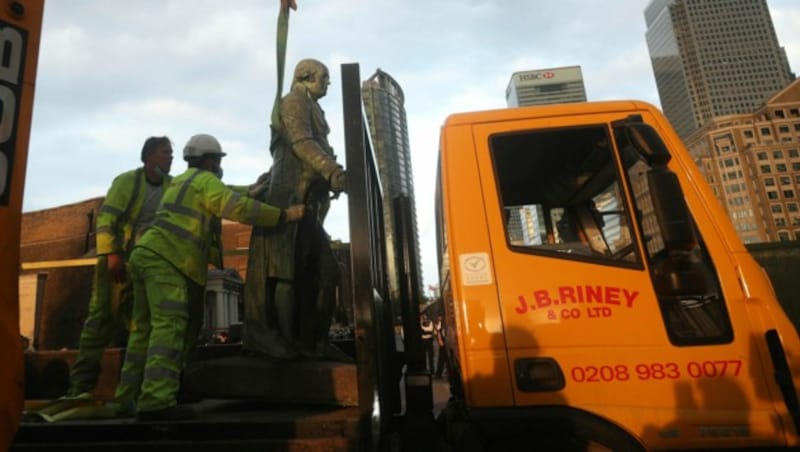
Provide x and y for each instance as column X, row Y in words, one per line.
column 291, row 271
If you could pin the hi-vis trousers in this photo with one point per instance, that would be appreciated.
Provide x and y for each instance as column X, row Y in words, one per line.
column 167, row 316
column 106, row 324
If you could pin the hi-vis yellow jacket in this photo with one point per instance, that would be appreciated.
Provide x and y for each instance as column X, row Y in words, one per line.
column 118, row 214
column 186, row 231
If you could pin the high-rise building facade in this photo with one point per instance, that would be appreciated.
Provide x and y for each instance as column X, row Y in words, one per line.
column 713, row 58
column 546, row 86
column 384, row 107
column 752, row 162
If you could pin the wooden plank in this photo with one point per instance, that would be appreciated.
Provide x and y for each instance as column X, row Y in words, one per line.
column 65, row 263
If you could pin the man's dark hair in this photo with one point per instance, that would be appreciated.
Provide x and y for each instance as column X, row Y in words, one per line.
column 151, row 144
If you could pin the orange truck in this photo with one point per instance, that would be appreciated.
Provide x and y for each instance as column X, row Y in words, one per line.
column 20, row 29
column 597, row 294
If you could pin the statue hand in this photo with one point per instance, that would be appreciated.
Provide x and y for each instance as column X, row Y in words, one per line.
column 295, row 213
column 261, row 185
column 338, row 181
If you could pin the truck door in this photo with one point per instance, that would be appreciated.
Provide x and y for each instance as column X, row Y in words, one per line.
column 605, row 307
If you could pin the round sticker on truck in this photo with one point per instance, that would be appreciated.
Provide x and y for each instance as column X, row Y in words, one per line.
column 475, row 270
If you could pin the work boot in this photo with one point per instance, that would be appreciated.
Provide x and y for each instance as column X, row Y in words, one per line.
column 173, row 413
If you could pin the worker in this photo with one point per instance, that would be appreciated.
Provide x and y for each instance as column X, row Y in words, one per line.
column 128, row 209
column 169, row 266
column 290, row 291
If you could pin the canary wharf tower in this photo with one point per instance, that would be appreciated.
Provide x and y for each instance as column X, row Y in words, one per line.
column 386, row 115
column 713, row 58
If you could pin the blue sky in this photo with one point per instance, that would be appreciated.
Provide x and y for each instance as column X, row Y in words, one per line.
column 112, row 73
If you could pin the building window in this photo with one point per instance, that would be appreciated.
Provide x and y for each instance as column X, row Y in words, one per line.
column 783, row 129
column 791, row 207
column 765, row 131
column 793, row 153
column 777, row 155
column 783, row 236
column 780, row 167
column 762, row 156
column 780, row 222
column 788, row 194
column 776, row 208
column 772, row 195
column 779, row 114
column 765, row 169
column 748, row 134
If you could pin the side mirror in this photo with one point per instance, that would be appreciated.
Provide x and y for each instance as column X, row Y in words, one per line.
column 644, row 138
column 670, row 209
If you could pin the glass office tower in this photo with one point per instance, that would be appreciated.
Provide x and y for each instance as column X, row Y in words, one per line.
column 713, row 58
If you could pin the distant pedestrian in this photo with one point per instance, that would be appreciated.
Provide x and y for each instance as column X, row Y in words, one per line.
column 440, row 332
column 427, row 340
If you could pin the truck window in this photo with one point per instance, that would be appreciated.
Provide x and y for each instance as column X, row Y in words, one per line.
column 561, row 195
column 683, row 276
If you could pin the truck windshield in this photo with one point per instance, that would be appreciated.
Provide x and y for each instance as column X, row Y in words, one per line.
column 561, row 194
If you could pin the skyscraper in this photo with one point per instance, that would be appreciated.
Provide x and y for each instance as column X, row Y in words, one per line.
column 383, row 103
column 546, row 86
column 713, row 58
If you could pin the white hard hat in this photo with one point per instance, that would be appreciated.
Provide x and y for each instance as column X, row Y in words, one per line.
column 200, row 145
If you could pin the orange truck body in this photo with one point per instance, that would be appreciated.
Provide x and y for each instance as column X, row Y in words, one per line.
column 623, row 357
column 20, row 30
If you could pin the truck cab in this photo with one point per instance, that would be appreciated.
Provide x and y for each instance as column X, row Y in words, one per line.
column 598, row 292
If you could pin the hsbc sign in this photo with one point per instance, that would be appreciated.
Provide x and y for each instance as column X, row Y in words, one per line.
column 543, row 75
column 566, row 74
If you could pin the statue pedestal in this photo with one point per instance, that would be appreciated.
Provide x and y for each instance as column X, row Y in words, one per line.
column 259, row 379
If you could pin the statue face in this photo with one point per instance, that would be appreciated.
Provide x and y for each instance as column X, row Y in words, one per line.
column 319, row 86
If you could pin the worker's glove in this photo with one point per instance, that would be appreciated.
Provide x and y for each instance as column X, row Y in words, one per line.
column 338, row 181
column 295, row 213
column 116, row 267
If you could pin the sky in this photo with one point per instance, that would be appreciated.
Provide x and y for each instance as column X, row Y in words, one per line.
column 112, row 73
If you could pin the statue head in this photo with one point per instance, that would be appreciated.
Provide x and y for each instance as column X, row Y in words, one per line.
column 313, row 75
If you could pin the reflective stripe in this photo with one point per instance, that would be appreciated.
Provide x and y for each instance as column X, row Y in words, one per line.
column 171, row 305
column 167, row 352
column 130, row 378
column 182, row 193
column 137, row 359
column 254, row 211
column 92, row 324
column 112, row 210
column 161, row 372
column 103, row 230
column 180, row 232
column 183, row 210
column 231, row 205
